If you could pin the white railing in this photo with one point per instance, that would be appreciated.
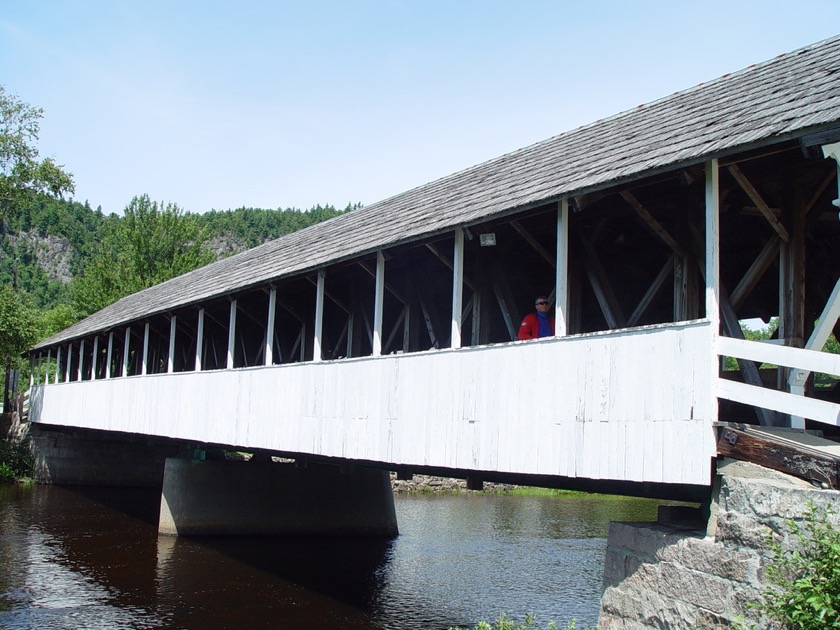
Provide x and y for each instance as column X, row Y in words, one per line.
column 797, row 358
column 631, row 405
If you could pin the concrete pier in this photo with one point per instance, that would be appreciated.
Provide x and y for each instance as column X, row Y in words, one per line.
column 267, row 498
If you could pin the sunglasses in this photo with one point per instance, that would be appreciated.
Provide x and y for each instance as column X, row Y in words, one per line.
column 541, row 303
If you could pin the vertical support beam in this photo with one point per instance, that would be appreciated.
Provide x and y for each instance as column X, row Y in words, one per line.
column 81, row 359
column 561, row 280
column 785, row 280
column 379, row 305
column 319, row 315
column 477, row 314
column 69, row 361
column 110, row 354
column 126, row 347
column 31, row 370
column 47, row 369
column 351, row 320
column 145, row 365
column 95, row 357
column 680, row 306
column 199, row 340
column 302, row 355
column 58, row 365
column 170, row 359
column 231, row 335
column 406, row 344
column 713, row 244
column 269, row 327
column 713, row 271
column 457, row 287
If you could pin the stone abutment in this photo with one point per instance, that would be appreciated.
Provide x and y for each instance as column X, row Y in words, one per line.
column 683, row 575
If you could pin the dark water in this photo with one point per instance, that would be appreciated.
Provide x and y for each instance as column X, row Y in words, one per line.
column 91, row 558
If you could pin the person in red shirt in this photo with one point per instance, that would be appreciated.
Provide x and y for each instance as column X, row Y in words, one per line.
column 539, row 324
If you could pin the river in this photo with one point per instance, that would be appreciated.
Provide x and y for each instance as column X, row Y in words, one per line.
column 91, row 558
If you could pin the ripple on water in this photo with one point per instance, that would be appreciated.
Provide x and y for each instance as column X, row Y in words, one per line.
column 90, row 559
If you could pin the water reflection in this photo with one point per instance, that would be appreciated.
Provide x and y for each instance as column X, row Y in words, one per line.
column 92, row 558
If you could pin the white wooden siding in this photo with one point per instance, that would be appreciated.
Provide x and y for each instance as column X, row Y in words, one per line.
column 623, row 405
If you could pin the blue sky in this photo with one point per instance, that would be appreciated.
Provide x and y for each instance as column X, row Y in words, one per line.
column 214, row 104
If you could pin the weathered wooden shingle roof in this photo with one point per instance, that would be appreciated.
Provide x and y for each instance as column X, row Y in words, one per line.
column 774, row 101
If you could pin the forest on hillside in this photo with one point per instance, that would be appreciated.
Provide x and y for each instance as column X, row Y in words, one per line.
column 49, row 244
column 62, row 260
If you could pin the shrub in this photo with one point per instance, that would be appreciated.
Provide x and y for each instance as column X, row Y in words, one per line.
column 15, row 461
column 804, row 577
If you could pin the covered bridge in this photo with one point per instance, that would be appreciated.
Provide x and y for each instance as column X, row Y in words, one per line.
column 388, row 334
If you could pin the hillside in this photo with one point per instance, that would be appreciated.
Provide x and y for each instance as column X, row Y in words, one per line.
column 49, row 242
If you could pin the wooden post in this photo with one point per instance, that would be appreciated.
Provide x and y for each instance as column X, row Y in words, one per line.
column 95, row 357
column 561, row 281
column 269, row 328
column 199, row 340
column 170, row 360
column 379, row 305
column 81, row 359
column 406, row 340
column 126, row 347
column 47, row 368
column 319, row 315
column 145, row 365
column 231, row 349
column 713, row 273
column 110, row 354
column 457, row 287
column 713, row 245
column 69, row 362
column 351, row 319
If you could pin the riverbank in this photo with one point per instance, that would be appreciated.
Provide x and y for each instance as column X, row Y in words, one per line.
column 428, row 484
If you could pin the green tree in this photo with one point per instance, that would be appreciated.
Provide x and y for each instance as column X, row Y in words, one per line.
column 151, row 243
column 56, row 319
column 22, row 173
column 18, row 331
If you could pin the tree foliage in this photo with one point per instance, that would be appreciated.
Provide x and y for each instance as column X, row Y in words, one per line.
column 18, row 322
column 151, row 243
column 56, row 319
column 22, row 173
column 254, row 226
